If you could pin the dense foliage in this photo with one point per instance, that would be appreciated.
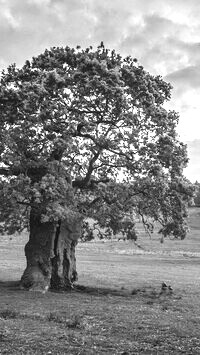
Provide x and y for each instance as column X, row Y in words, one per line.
column 85, row 131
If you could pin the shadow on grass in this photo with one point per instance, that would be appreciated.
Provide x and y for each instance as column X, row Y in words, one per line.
column 96, row 291
column 144, row 292
column 148, row 293
column 102, row 291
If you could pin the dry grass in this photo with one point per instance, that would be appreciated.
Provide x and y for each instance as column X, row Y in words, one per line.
column 119, row 310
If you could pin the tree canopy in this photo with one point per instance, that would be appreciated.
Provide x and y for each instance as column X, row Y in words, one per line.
column 84, row 131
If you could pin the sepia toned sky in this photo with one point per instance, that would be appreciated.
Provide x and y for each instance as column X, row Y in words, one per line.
column 163, row 35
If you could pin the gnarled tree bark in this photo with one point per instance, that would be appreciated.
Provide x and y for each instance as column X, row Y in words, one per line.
column 50, row 254
column 64, row 261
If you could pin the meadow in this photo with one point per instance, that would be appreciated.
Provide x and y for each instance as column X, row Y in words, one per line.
column 118, row 306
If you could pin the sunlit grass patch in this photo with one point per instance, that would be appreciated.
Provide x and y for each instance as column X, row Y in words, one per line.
column 118, row 306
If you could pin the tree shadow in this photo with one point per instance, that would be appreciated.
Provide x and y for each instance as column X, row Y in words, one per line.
column 104, row 291
column 148, row 293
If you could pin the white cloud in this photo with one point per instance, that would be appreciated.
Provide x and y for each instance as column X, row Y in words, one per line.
column 186, row 101
column 39, row 2
column 10, row 18
column 183, row 79
column 192, row 172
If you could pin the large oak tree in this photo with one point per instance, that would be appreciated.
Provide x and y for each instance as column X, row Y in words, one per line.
column 83, row 133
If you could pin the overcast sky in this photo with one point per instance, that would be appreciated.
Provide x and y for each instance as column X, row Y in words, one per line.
column 163, row 35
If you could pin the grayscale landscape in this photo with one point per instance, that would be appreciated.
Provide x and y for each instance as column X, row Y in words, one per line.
column 120, row 308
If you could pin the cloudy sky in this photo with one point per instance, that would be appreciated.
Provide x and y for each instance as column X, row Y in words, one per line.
column 164, row 35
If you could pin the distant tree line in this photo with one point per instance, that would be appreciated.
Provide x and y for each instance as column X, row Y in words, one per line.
column 196, row 198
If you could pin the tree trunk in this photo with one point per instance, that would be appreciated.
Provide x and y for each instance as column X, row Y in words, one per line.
column 64, row 262
column 50, row 254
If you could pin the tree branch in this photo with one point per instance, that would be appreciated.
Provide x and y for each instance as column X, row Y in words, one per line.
column 84, row 182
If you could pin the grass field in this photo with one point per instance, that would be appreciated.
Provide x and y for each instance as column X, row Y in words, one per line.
column 119, row 309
